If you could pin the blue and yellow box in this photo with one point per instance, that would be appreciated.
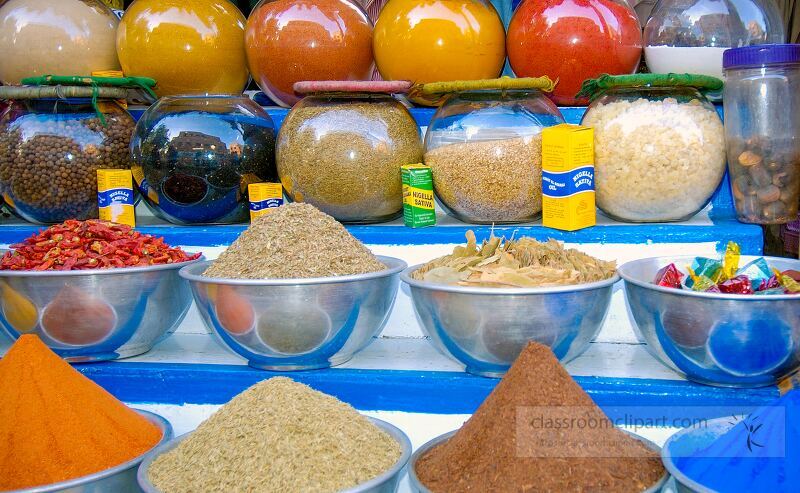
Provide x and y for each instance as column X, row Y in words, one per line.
column 115, row 196
column 263, row 197
column 568, row 177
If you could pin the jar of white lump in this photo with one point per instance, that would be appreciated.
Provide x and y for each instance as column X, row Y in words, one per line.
column 659, row 146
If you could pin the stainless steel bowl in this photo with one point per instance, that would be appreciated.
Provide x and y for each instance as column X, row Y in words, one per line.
column 418, row 487
column 487, row 328
column 711, row 338
column 119, row 479
column 384, row 483
column 98, row 314
column 296, row 324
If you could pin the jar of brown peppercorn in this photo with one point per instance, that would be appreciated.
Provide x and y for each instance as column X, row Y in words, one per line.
column 50, row 151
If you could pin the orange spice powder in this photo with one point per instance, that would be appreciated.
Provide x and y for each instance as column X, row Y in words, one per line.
column 56, row 424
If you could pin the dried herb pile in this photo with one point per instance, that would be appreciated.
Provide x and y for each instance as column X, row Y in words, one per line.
column 514, row 263
column 278, row 435
column 507, row 445
column 294, row 241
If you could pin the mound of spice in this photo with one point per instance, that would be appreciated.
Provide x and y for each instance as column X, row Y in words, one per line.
column 522, row 263
column 92, row 244
column 510, row 445
column 294, row 241
column 56, row 424
column 278, row 435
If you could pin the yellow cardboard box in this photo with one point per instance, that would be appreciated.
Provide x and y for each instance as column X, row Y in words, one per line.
column 568, row 177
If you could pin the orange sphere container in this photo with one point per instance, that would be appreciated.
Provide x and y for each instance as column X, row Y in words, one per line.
column 439, row 40
column 289, row 41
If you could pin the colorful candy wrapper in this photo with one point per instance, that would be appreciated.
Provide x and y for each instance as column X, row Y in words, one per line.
column 730, row 263
column 794, row 274
column 705, row 267
column 669, row 276
column 736, row 285
column 769, row 284
column 713, row 289
column 757, row 271
column 766, row 292
column 788, row 283
column 698, row 283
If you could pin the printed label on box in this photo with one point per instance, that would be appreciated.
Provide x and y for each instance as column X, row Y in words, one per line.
column 418, row 203
column 115, row 196
column 263, row 197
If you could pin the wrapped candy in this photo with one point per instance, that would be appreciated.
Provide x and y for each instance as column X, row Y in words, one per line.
column 794, row 274
column 699, row 283
column 669, row 276
column 789, row 284
column 713, row 289
column 730, row 262
column 736, row 285
column 769, row 284
column 767, row 292
column 757, row 271
column 707, row 268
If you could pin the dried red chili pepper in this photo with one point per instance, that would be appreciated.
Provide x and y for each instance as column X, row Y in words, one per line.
column 93, row 244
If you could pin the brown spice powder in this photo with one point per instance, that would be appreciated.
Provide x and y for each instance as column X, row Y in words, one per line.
column 294, row 241
column 490, row 453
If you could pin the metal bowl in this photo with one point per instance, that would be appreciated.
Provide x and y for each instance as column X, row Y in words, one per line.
column 97, row 314
column 384, row 483
column 418, row 487
column 296, row 324
column 119, row 479
column 716, row 339
column 487, row 328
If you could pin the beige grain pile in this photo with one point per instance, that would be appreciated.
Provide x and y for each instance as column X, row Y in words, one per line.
column 294, row 241
column 278, row 435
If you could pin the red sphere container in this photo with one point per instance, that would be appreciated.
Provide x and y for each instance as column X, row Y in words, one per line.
column 288, row 41
column 573, row 40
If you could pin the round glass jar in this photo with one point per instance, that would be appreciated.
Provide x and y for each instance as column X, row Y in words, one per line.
column 342, row 151
column 689, row 36
column 187, row 46
column 573, row 40
column 64, row 37
column 288, row 41
column 50, row 151
column 659, row 152
column 194, row 156
column 484, row 148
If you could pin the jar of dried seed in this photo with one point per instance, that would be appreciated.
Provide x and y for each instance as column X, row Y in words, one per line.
column 484, row 147
column 342, row 146
column 51, row 147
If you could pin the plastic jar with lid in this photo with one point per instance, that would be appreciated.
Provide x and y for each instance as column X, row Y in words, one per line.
column 659, row 145
column 689, row 36
column 51, row 148
column 762, row 131
column 341, row 148
column 484, row 147
column 194, row 157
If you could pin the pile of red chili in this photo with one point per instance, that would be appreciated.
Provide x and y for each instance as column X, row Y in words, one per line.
column 93, row 244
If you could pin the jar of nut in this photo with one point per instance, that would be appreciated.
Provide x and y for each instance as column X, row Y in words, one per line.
column 51, row 149
column 762, row 130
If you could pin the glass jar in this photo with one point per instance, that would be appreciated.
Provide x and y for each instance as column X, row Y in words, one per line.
column 342, row 151
column 689, row 36
column 194, row 156
column 65, row 37
column 299, row 40
column 187, row 46
column 659, row 152
column 762, row 130
column 573, row 40
column 50, row 151
column 484, row 148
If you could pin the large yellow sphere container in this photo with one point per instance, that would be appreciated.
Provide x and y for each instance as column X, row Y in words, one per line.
column 439, row 40
column 187, row 46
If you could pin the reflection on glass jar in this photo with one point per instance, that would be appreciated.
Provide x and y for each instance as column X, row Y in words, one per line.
column 195, row 155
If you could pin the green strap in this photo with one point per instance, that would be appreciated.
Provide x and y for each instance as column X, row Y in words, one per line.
column 144, row 83
column 592, row 88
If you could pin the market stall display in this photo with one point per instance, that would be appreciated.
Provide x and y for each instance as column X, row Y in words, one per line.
column 51, row 149
column 483, row 303
column 194, row 156
column 188, row 46
column 484, row 147
column 573, row 40
column 55, row 37
column 689, row 36
column 762, row 131
column 659, row 145
column 298, row 439
column 439, row 40
column 101, row 447
column 342, row 146
column 289, row 41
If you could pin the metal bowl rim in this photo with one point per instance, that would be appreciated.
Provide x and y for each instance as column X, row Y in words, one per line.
column 628, row 278
column 166, row 437
column 393, row 267
column 433, row 286
column 396, row 433
column 416, row 484
column 669, row 464
column 100, row 272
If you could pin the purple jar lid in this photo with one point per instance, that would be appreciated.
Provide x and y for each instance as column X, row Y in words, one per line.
column 758, row 55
